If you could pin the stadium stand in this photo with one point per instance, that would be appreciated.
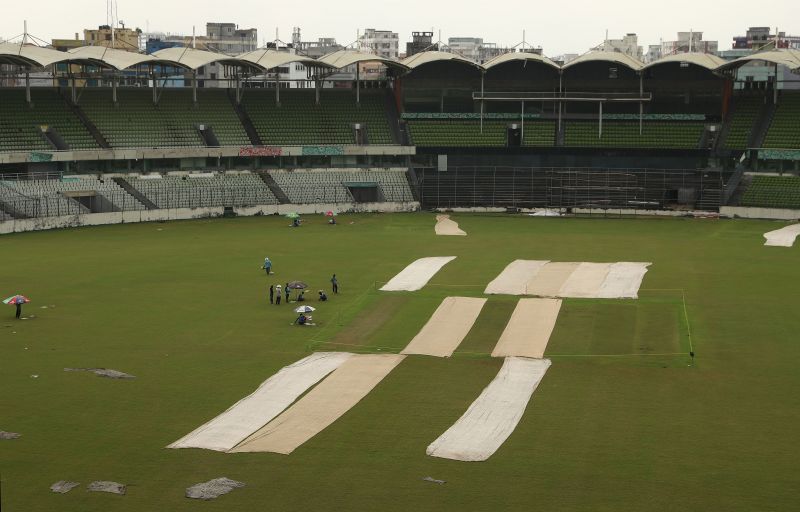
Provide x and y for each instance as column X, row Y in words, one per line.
column 784, row 131
column 745, row 112
column 136, row 122
column 204, row 190
column 21, row 125
column 25, row 201
column 51, row 197
column 331, row 185
column 773, row 192
column 467, row 133
column 299, row 121
column 625, row 134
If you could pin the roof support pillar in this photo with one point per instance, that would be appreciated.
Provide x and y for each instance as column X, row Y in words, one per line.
column 114, row 88
column 74, row 93
column 316, row 89
column 194, row 88
column 522, row 123
column 277, row 88
column 600, row 125
column 641, row 105
column 238, row 89
column 28, row 88
column 358, row 84
column 775, row 87
column 155, row 86
column 560, row 96
column 483, row 73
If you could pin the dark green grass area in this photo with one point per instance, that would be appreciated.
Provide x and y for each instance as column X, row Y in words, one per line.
column 615, row 424
column 630, row 327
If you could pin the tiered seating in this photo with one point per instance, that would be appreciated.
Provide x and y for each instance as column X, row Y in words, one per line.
column 744, row 115
column 136, row 122
column 54, row 189
column 773, row 192
column 306, row 186
column 20, row 124
column 784, row 132
column 299, row 121
column 205, row 190
column 27, row 200
column 625, row 134
column 467, row 133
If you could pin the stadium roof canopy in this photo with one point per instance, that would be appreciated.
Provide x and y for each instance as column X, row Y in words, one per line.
column 33, row 56
column 267, row 58
column 524, row 57
column 788, row 58
column 116, row 59
column 704, row 60
column 192, row 58
column 602, row 56
column 422, row 58
column 343, row 58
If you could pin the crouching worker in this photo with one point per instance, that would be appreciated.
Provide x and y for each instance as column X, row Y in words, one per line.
column 303, row 320
column 322, row 296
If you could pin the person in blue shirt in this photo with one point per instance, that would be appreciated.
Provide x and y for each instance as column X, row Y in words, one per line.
column 287, row 291
column 267, row 266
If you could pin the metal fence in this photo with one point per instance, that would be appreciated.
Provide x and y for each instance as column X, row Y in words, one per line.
column 535, row 187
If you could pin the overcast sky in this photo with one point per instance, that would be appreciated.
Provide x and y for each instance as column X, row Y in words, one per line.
column 564, row 27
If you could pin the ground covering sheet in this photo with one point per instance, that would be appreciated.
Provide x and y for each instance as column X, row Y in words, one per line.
column 585, row 281
column 620, row 280
column 417, row 274
column 265, row 403
column 549, row 280
column 514, row 278
column 494, row 415
column 528, row 331
column 323, row 405
column 445, row 226
column 447, row 327
column 623, row 280
column 783, row 237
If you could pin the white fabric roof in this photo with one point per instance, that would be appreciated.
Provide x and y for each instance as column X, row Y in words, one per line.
column 519, row 57
column 419, row 59
column 344, row 58
column 601, row 56
column 117, row 59
column 269, row 58
column 31, row 55
column 193, row 58
column 788, row 58
column 706, row 60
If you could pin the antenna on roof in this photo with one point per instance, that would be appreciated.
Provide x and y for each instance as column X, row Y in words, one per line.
column 24, row 32
column 194, row 42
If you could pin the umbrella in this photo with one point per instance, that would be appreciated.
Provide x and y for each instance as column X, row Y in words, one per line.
column 293, row 215
column 330, row 213
column 16, row 299
column 297, row 285
column 305, row 309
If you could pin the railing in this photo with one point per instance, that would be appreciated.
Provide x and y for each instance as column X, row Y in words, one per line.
column 530, row 187
column 549, row 96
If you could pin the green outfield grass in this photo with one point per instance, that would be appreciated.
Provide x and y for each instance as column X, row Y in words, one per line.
column 621, row 422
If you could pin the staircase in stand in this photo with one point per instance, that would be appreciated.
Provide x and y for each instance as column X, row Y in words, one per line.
column 127, row 187
column 279, row 194
column 251, row 131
